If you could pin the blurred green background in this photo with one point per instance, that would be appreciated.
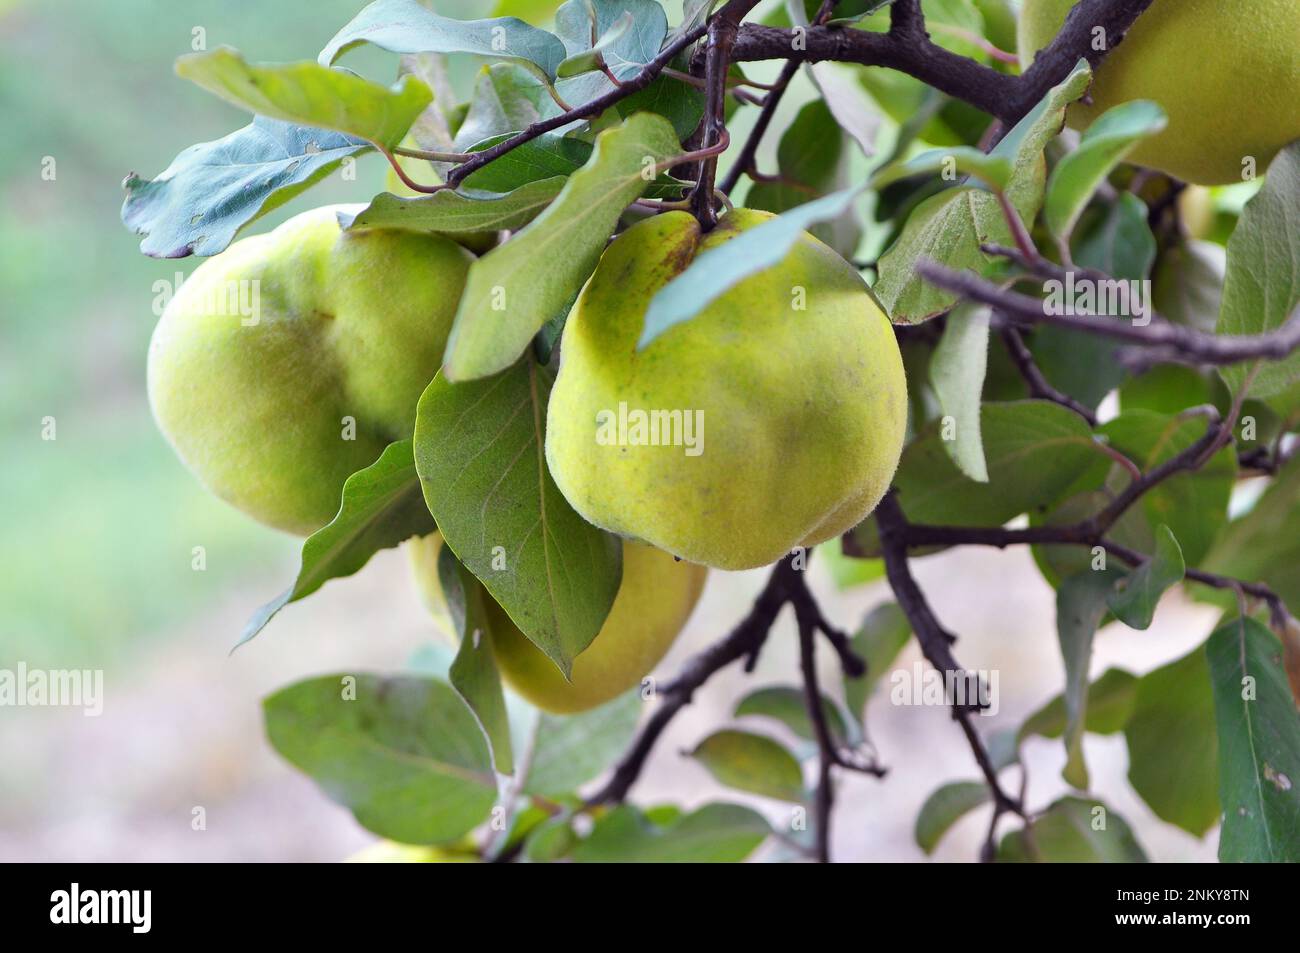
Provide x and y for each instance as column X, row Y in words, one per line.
column 97, row 526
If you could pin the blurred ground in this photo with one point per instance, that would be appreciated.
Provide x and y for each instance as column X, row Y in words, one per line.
column 181, row 727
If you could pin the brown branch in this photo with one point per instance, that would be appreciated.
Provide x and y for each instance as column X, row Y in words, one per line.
column 1037, row 383
column 717, row 60
column 908, row 49
column 786, row 584
column 935, row 641
column 1075, row 40
column 744, row 641
column 1160, row 339
column 595, row 107
column 824, row 794
column 1085, row 532
column 745, row 159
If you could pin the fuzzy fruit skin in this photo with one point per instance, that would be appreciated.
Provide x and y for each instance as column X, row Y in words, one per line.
column 422, row 552
column 1227, row 73
column 652, row 605
column 349, row 324
column 804, row 411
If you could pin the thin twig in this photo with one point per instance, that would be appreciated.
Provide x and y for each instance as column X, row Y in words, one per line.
column 1038, row 384
column 908, row 49
column 1172, row 341
column 595, row 107
column 824, row 794
column 722, row 29
column 935, row 641
column 746, row 157
column 744, row 641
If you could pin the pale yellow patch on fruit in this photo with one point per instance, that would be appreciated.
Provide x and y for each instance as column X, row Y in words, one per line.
column 794, row 376
column 1226, row 72
column 269, row 350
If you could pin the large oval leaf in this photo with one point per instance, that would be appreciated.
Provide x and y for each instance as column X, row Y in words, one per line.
column 479, row 453
column 405, row 26
column 517, row 287
column 403, row 753
column 210, row 191
column 311, row 94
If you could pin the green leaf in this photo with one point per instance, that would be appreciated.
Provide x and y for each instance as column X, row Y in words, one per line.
column 944, row 808
column 1264, row 545
column 753, row 763
column 452, row 213
column 849, row 104
column 1110, row 703
column 1262, row 286
column 517, row 287
column 382, row 506
column 715, row 271
column 310, row 94
column 680, row 103
column 1080, row 606
column 1103, row 146
column 405, row 26
column 1116, row 240
column 530, row 10
column 715, row 833
column 1259, row 746
column 1172, row 746
column 542, row 158
column 404, row 754
column 210, row 191
column 1074, row 831
column 848, row 572
column 1187, row 287
column 432, row 128
column 593, row 57
column 507, row 99
column 787, row 705
column 993, row 170
column 1035, row 450
column 1166, row 389
column 474, row 673
column 881, row 636
column 957, row 376
column 550, row 841
column 570, row 750
column 1133, row 598
column 629, row 34
column 812, row 159
column 1193, row 505
column 951, row 226
column 694, row 14
column 1113, row 238
column 478, row 450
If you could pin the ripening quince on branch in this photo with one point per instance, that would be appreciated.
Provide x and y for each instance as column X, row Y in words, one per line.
column 1226, row 72
column 792, row 379
column 290, row 360
column 653, row 603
